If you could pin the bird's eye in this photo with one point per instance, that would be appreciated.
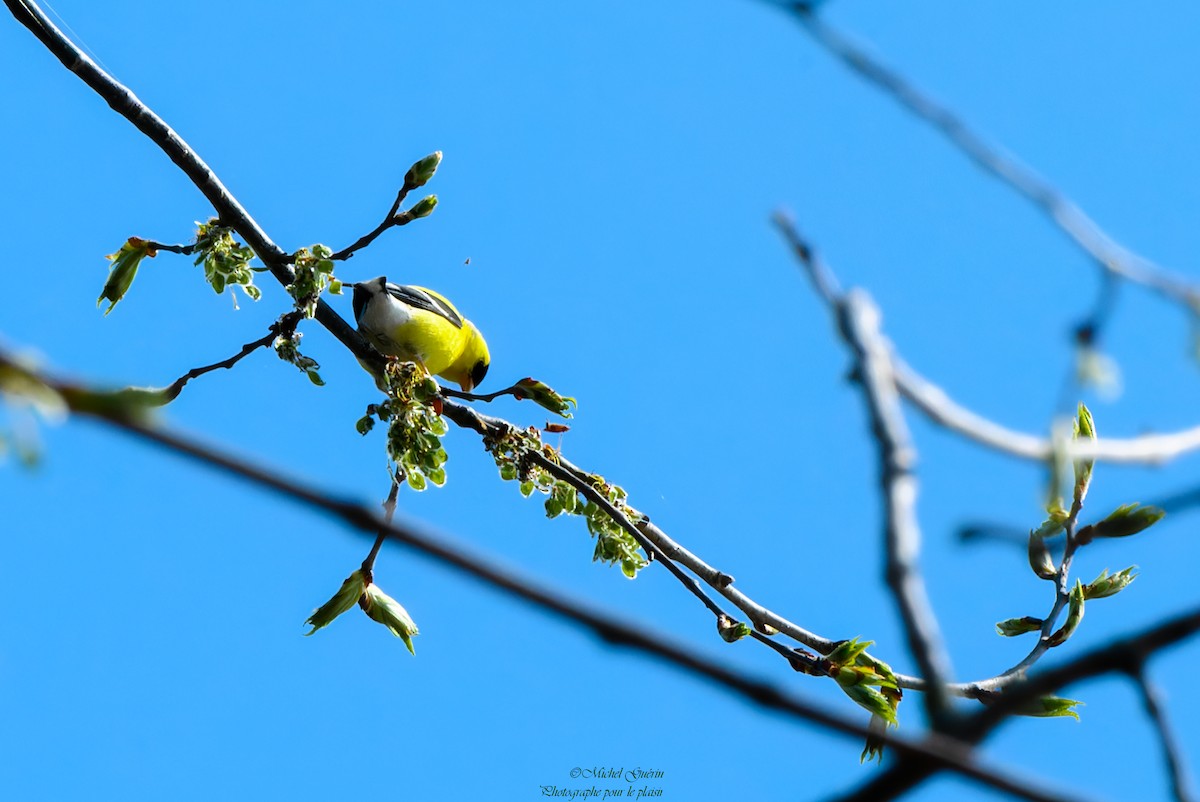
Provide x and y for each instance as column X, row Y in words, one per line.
column 478, row 372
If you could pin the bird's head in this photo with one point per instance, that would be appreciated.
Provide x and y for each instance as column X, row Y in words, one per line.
column 472, row 365
column 364, row 291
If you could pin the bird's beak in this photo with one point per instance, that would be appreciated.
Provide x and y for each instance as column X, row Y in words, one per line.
column 466, row 385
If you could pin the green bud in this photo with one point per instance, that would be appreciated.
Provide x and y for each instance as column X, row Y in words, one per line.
column 424, row 207
column 1074, row 617
column 848, row 651
column 385, row 610
column 1018, row 626
column 420, row 173
column 882, row 669
column 730, row 630
column 1126, row 520
column 542, row 395
column 346, row 597
column 1105, row 585
column 1084, row 427
column 1049, row 707
column 123, row 269
column 1039, row 557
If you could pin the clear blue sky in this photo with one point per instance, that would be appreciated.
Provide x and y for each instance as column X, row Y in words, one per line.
column 609, row 174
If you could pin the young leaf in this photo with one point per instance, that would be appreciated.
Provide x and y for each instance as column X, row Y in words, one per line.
column 384, row 609
column 1085, row 428
column 346, row 597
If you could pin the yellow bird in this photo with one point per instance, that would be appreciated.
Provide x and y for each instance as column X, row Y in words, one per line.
column 420, row 325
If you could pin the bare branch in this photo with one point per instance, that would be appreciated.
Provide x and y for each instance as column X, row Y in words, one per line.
column 285, row 325
column 390, row 219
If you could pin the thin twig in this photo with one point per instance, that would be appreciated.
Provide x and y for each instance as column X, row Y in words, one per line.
column 285, row 325
column 183, row 250
column 1107, row 253
column 390, row 220
column 389, row 510
column 490, row 426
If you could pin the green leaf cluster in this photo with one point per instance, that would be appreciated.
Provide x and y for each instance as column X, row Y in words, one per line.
column 614, row 545
column 415, row 425
column 1126, row 520
column 287, row 348
column 313, row 275
column 226, row 261
column 869, row 682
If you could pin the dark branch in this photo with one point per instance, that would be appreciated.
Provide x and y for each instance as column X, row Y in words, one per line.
column 284, row 326
column 390, row 220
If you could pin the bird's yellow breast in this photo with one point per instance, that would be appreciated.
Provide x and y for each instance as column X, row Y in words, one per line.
column 424, row 336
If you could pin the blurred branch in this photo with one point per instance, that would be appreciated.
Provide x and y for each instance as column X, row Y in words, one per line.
column 858, row 323
column 1107, row 253
column 1177, row 770
column 1149, row 449
column 858, row 319
column 104, row 407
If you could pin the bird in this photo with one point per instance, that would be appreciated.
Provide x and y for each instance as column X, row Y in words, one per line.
column 420, row 325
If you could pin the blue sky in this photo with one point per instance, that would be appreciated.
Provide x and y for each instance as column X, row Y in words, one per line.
column 609, row 174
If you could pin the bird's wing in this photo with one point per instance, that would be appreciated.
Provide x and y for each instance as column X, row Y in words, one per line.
column 422, row 299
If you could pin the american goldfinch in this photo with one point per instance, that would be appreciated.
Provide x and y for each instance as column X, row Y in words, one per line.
column 417, row 324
